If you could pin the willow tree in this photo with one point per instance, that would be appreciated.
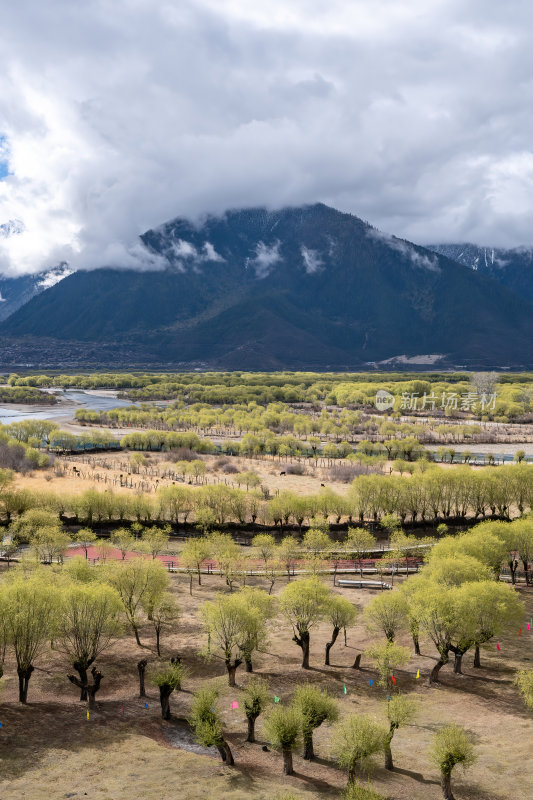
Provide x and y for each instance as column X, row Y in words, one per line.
column 282, row 728
column 30, row 612
column 400, row 711
column 230, row 621
column 315, row 706
column 340, row 613
column 386, row 613
column 135, row 581
column 206, row 722
column 88, row 619
column 304, row 604
column 451, row 746
column 356, row 739
column 256, row 696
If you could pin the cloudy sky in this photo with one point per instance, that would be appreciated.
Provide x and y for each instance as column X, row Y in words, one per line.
column 116, row 115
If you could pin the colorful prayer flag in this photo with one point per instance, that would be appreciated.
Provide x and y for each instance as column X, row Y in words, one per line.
column 528, row 627
column 418, row 673
column 370, row 682
column 276, row 699
column 497, row 645
column 520, row 632
column 235, row 704
column 393, row 679
column 87, row 715
column 345, row 691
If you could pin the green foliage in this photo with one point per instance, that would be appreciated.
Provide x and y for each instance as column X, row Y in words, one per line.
column 451, row 746
column 387, row 656
column 256, row 696
column 356, row 791
column 205, row 718
column 315, row 706
column 171, row 676
column 524, row 683
column 355, row 740
column 283, row 727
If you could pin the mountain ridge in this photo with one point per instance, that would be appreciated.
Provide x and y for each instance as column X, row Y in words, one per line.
column 290, row 287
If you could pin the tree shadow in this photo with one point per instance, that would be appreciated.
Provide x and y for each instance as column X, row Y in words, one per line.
column 416, row 776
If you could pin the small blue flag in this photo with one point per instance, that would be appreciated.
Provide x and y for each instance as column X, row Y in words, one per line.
column 370, row 682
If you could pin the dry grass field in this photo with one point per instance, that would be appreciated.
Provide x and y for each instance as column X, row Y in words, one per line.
column 50, row 750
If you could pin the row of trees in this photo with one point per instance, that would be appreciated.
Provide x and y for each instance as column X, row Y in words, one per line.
column 427, row 495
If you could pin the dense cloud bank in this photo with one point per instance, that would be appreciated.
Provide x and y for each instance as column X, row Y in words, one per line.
column 116, row 115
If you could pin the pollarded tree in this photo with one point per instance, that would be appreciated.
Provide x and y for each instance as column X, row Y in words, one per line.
column 360, row 542
column 315, row 706
column 400, row 710
column 340, row 613
column 162, row 611
column 283, row 727
column 195, row 552
column 387, row 656
column 386, row 613
column 288, row 551
column 85, row 537
column 265, row 545
column 30, row 609
column 207, row 724
column 227, row 554
column 256, row 696
column 451, row 746
column 88, row 620
column 155, row 540
column 124, row 540
column 304, row 603
column 229, row 621
column 255, row 633
column 135, row 581
column 355, row 740
column 524, row 682
column 169, row 678
column 487, row 610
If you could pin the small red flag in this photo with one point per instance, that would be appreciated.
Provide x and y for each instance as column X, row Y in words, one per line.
column 520, row 632
column 497, row 645
column 393, row 679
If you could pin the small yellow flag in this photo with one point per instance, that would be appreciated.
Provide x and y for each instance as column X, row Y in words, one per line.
column 87, row 715
column 418, row 673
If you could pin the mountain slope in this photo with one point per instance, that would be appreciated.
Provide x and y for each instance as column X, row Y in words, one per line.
column 300, row 287
column 511, row 268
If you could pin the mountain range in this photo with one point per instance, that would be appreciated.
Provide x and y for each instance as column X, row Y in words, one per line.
column 298, row 288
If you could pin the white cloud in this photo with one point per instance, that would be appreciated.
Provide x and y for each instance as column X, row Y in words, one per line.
column 312, row 261
column 418, row 259
column 265, row 258
column 117, row 116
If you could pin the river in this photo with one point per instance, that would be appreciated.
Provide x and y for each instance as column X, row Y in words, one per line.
column 70, row 401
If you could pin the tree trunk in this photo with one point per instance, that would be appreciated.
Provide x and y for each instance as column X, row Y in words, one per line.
column 388, row 756
column 164, row 696
column 157, row 637
column 229, row 755
column 525, row 562
column 458, row 663
column 251, row 729
column 287, row 761
column 416, row 644
column 303, row 641
column 248, row 664
column 330, row 644
column 446, row 785
column 82, row 672
column 141, row 667
column 90, row 689
column 136, row 632
column 221, row 750
column 24, row 679
column 309, row 752
column 477, row 659
column 357, row 663
column 434, row 674
column 232, row 669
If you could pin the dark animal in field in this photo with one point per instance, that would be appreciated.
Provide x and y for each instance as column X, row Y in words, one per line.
column 322, row 484
column 282, row 473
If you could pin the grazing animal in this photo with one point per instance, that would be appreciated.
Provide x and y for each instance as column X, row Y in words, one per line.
column 282, row 473
column 322, row 484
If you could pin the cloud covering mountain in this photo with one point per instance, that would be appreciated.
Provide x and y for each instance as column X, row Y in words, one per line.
column 116, row 115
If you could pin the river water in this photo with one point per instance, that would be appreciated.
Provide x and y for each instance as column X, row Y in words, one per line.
column 70, row 402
